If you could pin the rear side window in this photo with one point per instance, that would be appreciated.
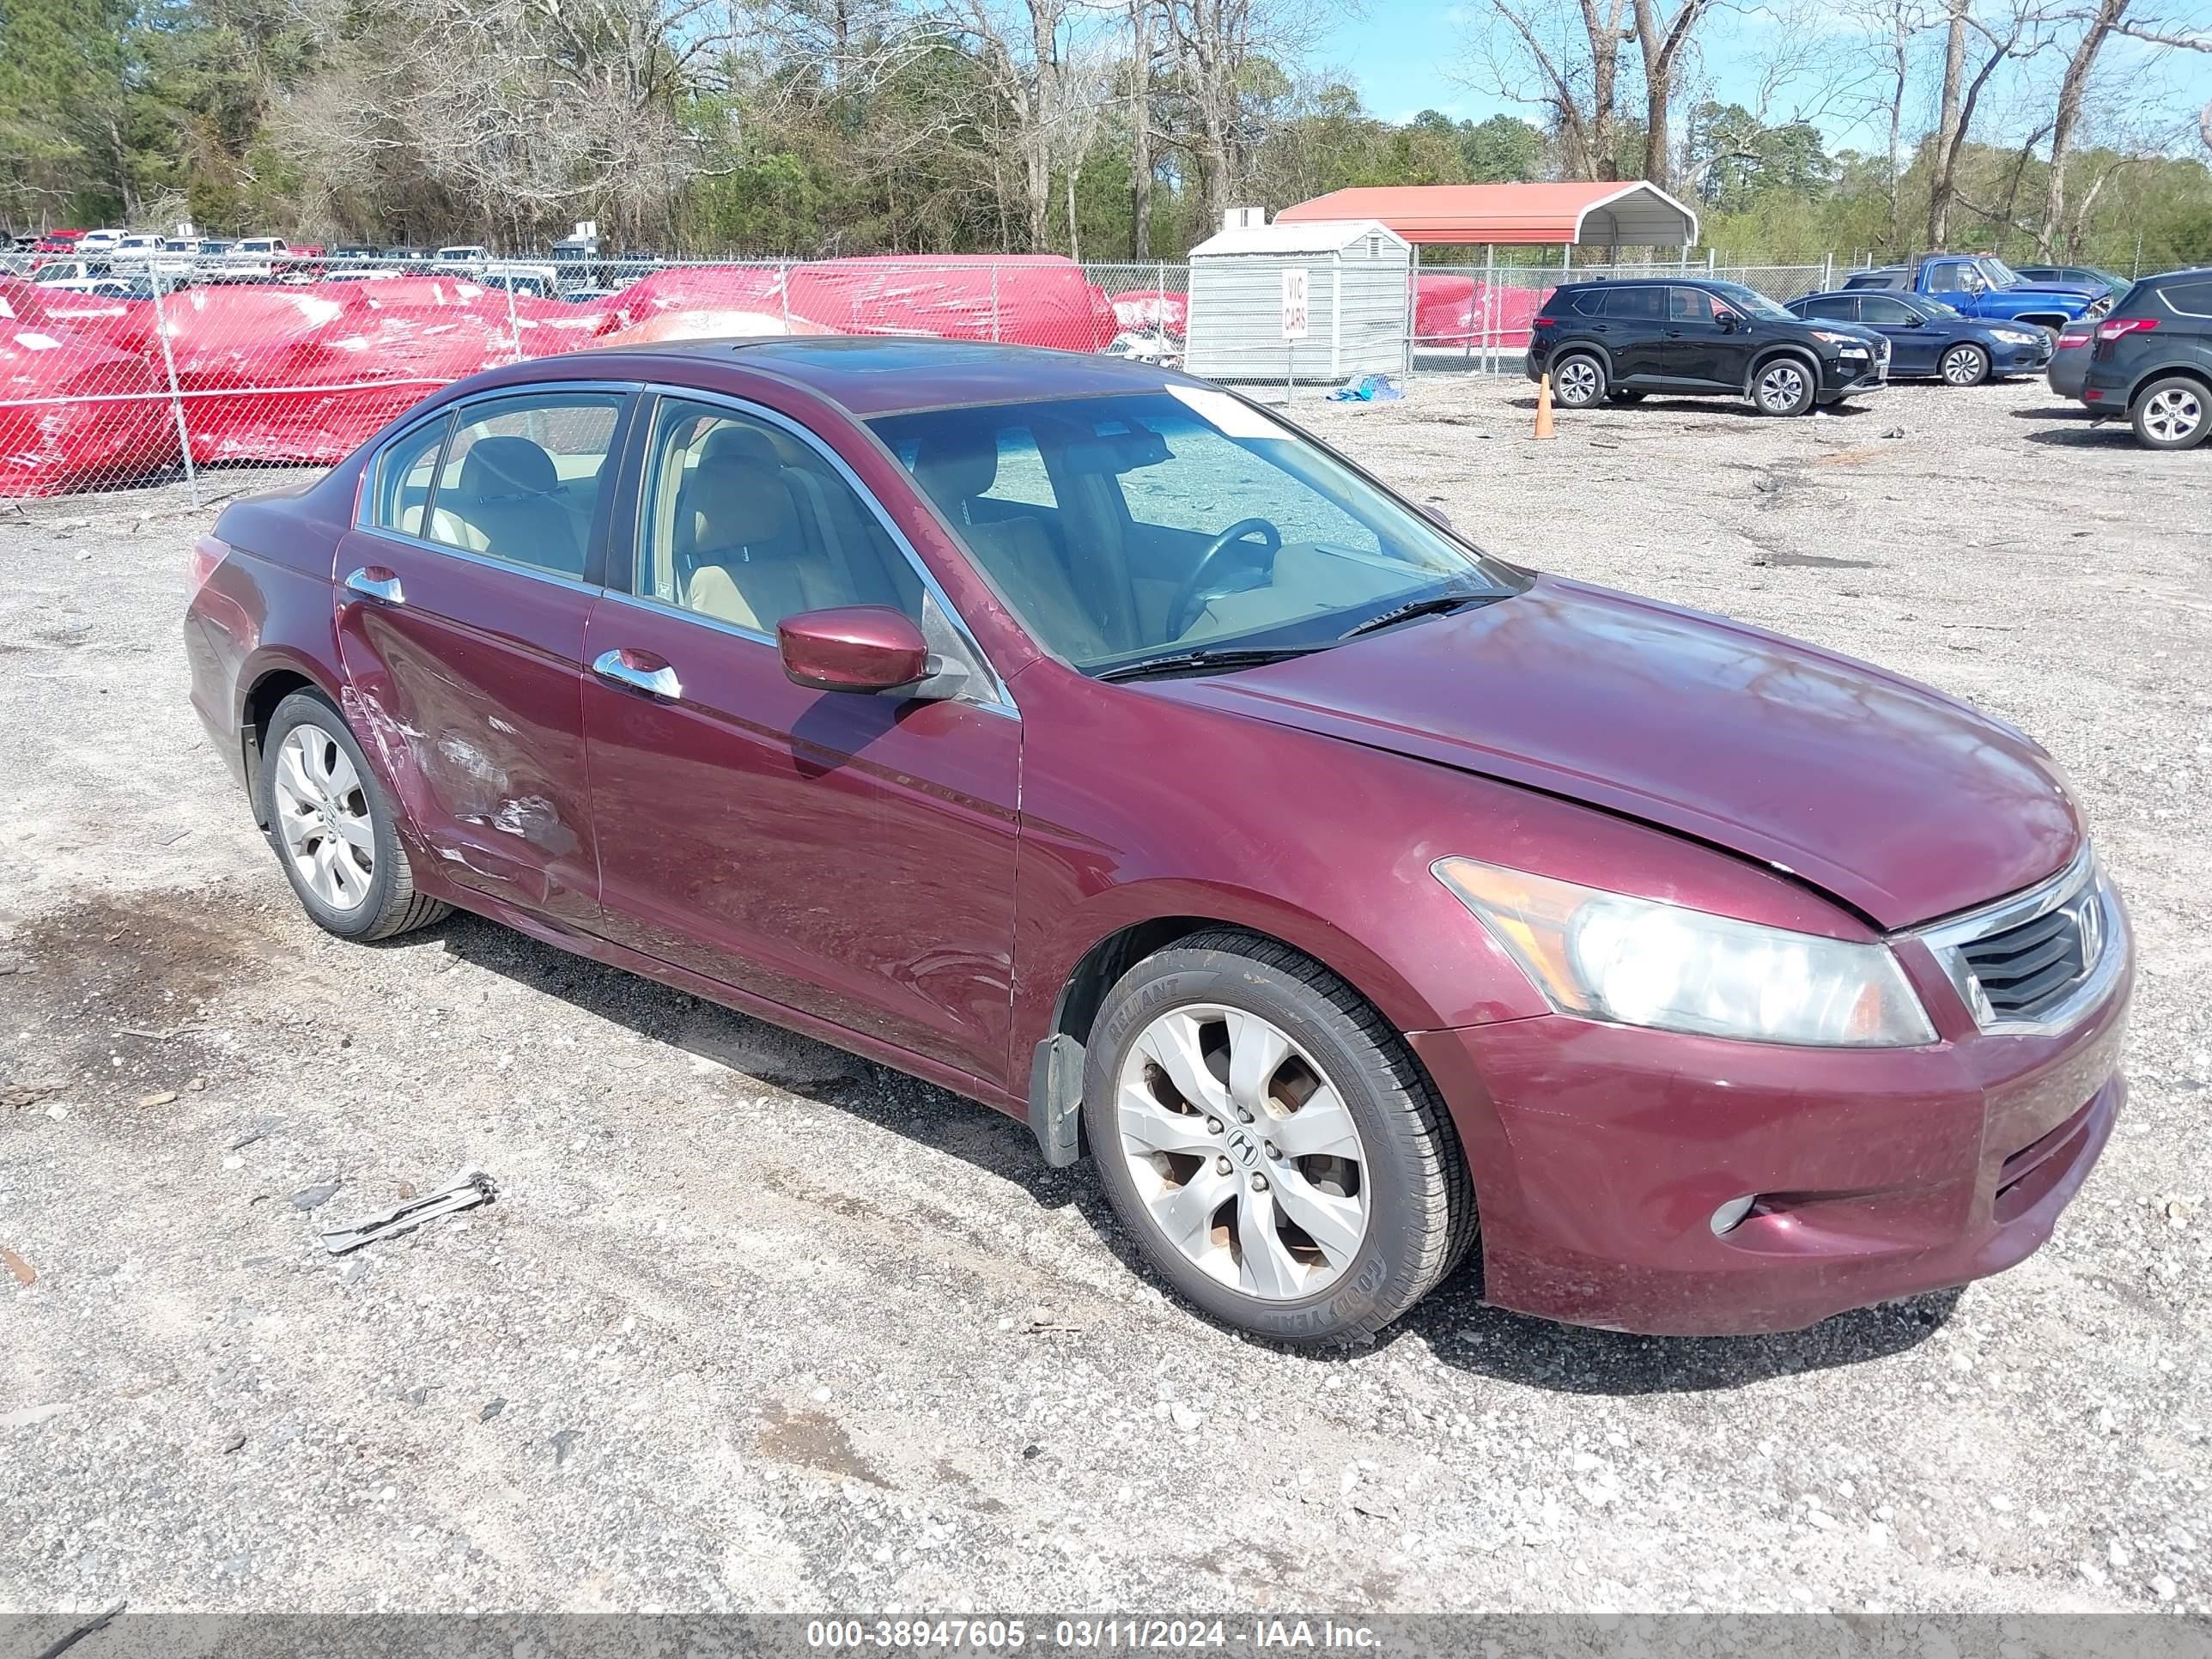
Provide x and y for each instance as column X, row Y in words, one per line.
column 1647, row 303
column 1838, row 307
column 2190, row 299
column 404, row 474
column 1590, row 302
column 521, row 479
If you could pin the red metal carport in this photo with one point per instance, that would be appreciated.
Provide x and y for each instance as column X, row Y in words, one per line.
column 1611, row 215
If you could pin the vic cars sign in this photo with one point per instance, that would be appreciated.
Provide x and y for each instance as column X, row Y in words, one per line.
column 1296, row 312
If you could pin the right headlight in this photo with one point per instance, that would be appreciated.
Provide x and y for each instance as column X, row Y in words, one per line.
column 1638, row 961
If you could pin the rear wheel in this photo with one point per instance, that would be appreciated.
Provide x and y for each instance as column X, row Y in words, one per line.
column 1965, row 364
column 1784, row 385
column 2174, row 413
column 332, row 829
column 1271, row 1143
column 1578, row 381
column 1620, row 396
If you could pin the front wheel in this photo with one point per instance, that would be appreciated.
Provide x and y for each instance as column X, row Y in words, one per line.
column 2175, row 413
column 1271, row 1142
column 1617, row 395
column 1784, row 386
column 333, row 830
column 1965, row 365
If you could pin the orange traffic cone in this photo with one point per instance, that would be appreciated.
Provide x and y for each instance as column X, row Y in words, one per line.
column 1544, row 427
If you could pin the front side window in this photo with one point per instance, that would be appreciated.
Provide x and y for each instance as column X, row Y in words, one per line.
column 1690, row 305
column 1878, row 308
column 521, row 479
column 746, row 524
column 1177, row 517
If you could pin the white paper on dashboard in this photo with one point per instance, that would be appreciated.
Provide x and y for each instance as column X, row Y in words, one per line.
column 1234, row 417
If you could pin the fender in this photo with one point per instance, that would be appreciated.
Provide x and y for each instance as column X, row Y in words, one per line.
column 2186, row 367
column 1781, row 348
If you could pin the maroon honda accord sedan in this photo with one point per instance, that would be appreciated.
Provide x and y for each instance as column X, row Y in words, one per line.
column 1077, row 735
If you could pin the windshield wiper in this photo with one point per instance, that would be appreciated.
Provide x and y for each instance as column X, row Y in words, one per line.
column 1435, row 603
column 1179, row 662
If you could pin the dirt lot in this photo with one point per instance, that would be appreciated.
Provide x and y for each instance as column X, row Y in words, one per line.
column 755, row 1325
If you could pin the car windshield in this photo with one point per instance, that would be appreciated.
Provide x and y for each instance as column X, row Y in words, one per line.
column 1175, row 521
column 1751, row 301
column 1999, row 274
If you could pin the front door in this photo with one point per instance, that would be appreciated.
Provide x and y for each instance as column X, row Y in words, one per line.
column 462, row 593
column 1914, row 344
column 848, row 856
column 1698, row 350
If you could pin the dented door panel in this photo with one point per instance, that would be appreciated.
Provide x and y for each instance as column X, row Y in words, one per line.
column 467, row 694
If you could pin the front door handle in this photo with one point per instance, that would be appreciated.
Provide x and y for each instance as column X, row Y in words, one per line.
column 640, row 671
column 1674, row 333
column 373, row 581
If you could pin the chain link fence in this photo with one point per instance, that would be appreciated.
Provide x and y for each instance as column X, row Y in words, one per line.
column 117, row 371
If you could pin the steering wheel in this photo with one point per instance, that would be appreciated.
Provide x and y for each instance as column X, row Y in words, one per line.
column 1190, row 598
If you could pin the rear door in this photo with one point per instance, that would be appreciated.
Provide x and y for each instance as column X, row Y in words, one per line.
column 848, row 856
column 1634, row 330
column 462, row 593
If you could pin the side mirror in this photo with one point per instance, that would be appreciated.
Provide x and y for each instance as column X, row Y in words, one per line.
column 1914, row 319
column 1726, row 320
column 852, row 647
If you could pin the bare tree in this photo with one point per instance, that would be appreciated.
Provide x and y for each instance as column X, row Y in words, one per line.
column 1664, row 40
column 1141, row 129
column 1989, row 43
column 1571, row 50
column 1214, row 43
column 2098, row 24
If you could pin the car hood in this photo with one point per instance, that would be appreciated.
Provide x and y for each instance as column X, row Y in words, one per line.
column 1904, row 802
column 2052, row 290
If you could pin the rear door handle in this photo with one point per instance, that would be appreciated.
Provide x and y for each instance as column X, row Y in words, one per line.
column 373, row 581
column 640, row 671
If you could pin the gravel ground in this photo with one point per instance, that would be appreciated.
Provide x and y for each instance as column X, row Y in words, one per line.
column 755, row 1325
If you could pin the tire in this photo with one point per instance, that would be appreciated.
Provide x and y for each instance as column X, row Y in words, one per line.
column 1964, row 364
column 1617, row 395
column 1785, row 385
column 315, row 789
column 1579, row 381
column 2173, row 413
column 1397, row 1166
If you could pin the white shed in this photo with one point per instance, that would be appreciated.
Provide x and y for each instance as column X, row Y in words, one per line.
column 1359, row 285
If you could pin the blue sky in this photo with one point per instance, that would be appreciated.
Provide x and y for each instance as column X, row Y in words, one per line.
column 1406, row 54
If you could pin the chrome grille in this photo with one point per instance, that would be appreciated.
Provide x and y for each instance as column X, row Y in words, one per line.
column 2038, row 960
column 2024, row 970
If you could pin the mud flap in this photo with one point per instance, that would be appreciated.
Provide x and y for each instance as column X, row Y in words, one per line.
column 1056, row 1099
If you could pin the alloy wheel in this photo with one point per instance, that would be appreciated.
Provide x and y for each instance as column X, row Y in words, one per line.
column 1781, row 388
column 1242, row 1151
column 1577, row 382
column 1962, row 366
column 2173, row 413
column 322, row 817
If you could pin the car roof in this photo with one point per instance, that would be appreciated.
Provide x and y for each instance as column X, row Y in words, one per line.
column 880, row 375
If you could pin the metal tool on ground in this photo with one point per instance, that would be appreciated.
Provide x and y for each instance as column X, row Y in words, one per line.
column 463, row 1192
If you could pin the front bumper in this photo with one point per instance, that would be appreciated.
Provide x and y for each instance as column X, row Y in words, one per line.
column 1841, row 376
column 2031, row 359
column 1601, row 1152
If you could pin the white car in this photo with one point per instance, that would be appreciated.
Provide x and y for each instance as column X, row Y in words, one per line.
column 57, row 273
column 466, row 254
column 137, row 246
column 99, row 241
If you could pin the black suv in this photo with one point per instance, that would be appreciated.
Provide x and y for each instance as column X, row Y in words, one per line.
column 1622, row 339
column 2152, row 360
